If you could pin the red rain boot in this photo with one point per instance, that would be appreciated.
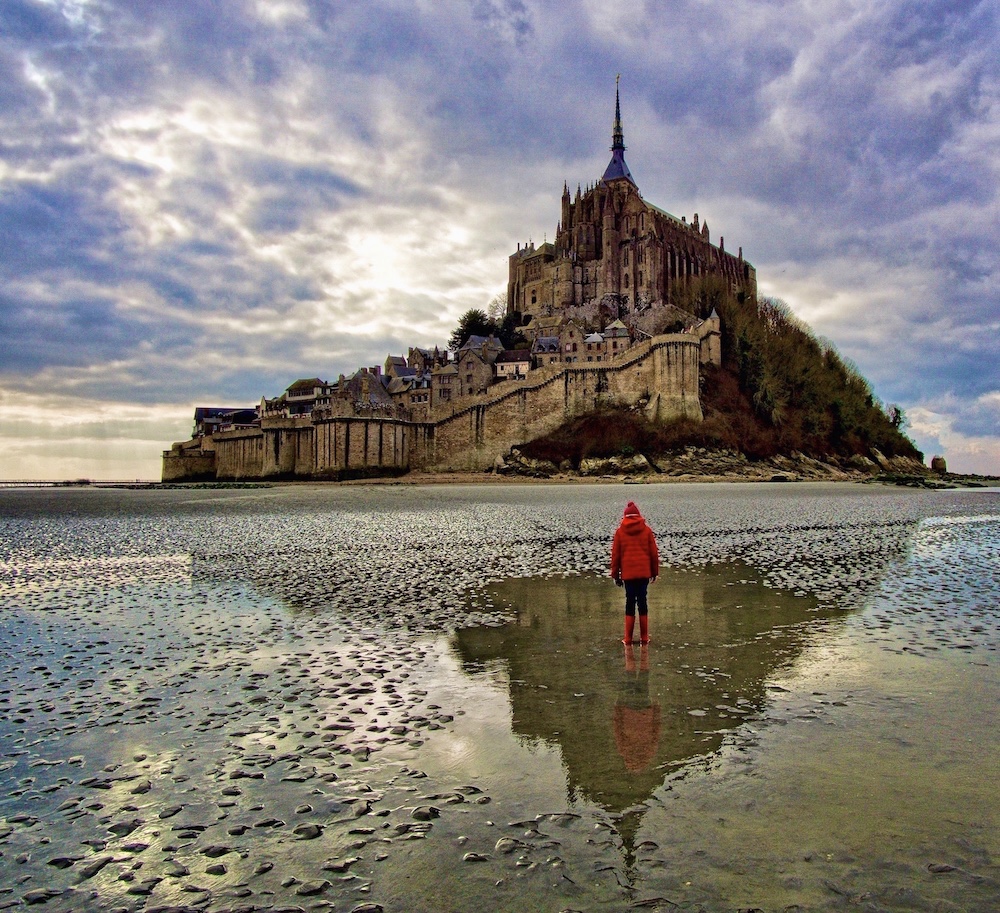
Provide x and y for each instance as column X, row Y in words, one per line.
column 644, row 629
column 629, row 627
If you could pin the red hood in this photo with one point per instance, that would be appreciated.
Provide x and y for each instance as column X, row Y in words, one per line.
column 632, row 525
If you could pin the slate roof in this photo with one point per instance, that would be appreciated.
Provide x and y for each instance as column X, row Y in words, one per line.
column 304, row 386
column 546, row 344
column 511, row 356
column 477, row 342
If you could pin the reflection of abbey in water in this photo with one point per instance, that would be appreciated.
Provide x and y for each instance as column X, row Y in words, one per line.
column 625, row 723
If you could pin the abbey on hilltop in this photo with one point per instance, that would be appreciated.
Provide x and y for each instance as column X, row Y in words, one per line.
column 605, row 315
column 616, row 256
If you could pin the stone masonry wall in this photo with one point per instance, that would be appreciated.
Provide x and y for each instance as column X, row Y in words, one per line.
column 663, row 371
column 352, row 444
column 187, row 466
column 239, row 455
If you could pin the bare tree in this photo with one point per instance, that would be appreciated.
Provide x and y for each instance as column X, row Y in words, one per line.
column 496, row 310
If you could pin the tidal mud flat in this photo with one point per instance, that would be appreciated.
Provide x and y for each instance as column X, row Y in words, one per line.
column 415, row 698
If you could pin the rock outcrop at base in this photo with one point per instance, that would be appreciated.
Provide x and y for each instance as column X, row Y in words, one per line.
column 701, row 464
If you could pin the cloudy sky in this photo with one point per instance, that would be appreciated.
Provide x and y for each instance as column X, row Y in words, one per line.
column 203, row 200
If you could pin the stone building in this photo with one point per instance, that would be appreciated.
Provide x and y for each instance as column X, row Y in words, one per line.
column 512, row 364
column 364, row 393
column 297, row 400
column 616, row 256
column 444, row 384
column 209, row 420
column 412, row 395
column 545, row 350
column 423, row 361
column 571, row 336
column 474, row 372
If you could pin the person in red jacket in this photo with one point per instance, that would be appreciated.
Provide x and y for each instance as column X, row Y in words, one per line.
column 635, row 561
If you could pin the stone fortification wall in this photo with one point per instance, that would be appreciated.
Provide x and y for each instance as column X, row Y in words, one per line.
column 344, row 445
column 288, row 448
column 663, row 372
column 182, row 464
column 239, row 456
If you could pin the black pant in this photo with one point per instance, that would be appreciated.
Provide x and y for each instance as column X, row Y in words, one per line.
column 635, row 596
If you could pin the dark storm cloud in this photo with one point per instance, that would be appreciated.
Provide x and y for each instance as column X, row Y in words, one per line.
column 50, row 228
column 295, row 192
column 32, row 21
column 77, row 334
column 978, row 418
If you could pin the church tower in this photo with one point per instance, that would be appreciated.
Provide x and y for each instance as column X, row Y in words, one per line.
column 617, row 257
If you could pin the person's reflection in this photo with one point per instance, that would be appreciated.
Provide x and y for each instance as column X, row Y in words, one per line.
column 636, row 718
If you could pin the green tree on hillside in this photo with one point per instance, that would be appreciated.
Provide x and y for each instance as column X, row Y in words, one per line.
column 473, row 322
column 498, row 322
column 802, row 390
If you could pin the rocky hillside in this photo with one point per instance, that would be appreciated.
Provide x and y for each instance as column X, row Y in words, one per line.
column 783, row 403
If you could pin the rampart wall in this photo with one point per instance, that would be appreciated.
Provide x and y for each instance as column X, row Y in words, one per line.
column 664, row 371
column 468, row 435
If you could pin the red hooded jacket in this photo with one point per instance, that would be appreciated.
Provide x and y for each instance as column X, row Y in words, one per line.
column 634, row 554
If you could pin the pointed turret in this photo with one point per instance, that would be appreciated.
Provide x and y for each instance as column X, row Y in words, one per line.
column 617, row 170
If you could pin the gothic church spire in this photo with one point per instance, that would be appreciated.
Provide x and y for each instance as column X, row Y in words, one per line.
column 617, row 169
column 617, row 134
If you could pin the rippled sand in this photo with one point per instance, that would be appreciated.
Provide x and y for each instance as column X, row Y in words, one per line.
column 415, row 698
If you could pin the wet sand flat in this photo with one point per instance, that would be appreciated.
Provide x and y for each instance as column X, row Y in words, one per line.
column 415, row 698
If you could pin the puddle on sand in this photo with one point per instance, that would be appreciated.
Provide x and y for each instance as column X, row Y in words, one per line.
column 627, row 718
column 762, row 750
